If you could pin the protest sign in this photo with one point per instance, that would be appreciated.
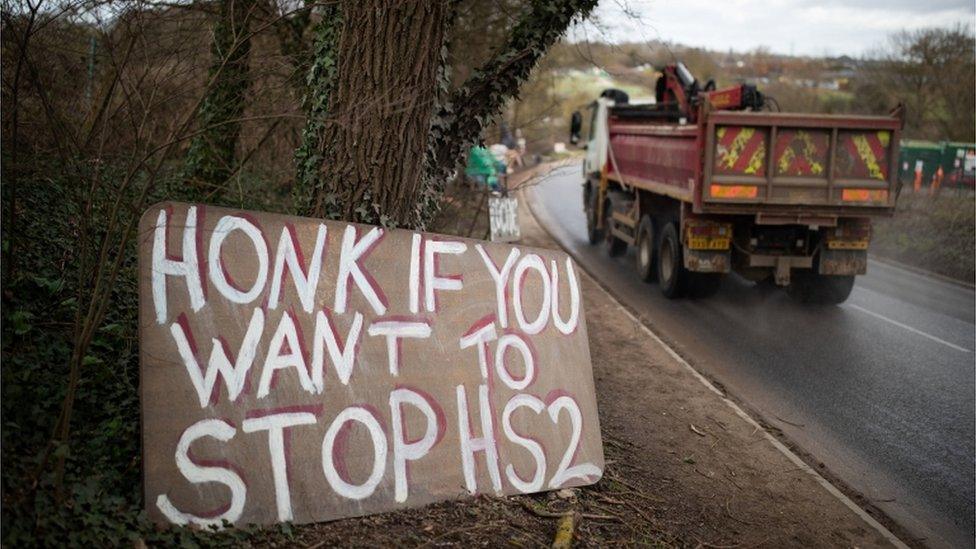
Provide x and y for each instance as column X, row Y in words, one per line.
column 301, row 370
column 503, row 219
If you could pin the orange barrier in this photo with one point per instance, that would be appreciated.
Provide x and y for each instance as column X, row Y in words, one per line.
column 937, row 181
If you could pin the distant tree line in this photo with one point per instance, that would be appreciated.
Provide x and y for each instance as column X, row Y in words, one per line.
column 933, row 72
column 930, row 70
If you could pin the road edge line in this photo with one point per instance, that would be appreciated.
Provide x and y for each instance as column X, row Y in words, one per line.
column 783, row 449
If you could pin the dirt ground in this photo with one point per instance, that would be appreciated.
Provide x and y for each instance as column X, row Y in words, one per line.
column 683, row 469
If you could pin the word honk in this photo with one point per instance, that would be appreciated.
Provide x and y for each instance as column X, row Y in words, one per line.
column 304, row 370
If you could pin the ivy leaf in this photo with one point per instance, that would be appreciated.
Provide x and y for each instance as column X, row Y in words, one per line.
column 52, row 286
column 21, row 321
column 113, row 328
column 62, row 451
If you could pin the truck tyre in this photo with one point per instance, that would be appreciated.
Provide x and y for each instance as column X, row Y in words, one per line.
column 615, row 246
column 671, row 273
column 593, row 234
column 816, row 289
column 646, row 250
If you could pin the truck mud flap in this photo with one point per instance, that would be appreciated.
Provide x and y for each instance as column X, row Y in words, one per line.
column 782, row 265
column 707, row 261
column 843, row 262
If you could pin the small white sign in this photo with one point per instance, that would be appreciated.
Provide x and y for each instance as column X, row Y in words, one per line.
column 503, row 214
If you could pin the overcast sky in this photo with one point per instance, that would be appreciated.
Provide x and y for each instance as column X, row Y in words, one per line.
column 803, row 27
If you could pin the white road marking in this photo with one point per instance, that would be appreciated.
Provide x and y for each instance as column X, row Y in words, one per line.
column 909, row 328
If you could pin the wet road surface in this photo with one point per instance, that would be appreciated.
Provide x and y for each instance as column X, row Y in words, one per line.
column 879, row 389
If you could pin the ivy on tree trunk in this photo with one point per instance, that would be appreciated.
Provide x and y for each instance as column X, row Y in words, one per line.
column 308, row 192
column 473, row 106
column 211, row 158
column 394, row 136
column 374, row 151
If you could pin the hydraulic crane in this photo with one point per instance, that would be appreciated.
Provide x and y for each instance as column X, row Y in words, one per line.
column 679, row 93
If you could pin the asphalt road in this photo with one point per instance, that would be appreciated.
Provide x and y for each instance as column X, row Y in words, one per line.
column 881, row 389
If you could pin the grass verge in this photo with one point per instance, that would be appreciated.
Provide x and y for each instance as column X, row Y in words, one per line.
column 934, row 233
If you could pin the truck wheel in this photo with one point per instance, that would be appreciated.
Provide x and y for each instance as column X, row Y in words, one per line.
column 817, row 289
column 646, row 251
column 593, row 234
column 671, row 273
column 615, row 246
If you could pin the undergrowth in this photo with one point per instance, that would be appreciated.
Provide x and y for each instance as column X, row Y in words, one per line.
column 100, row 498
column 937, row 233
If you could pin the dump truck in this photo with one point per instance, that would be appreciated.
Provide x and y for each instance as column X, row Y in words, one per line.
column 704, row 181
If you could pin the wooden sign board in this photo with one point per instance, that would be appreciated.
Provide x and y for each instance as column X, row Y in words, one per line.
column 503, row 218
column 300, row 370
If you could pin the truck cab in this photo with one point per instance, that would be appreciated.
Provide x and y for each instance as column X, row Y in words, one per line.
column 596, row 135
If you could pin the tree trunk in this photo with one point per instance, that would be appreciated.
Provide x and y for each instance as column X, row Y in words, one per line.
column 374, row 152
column 393, row 136
column 210, row 160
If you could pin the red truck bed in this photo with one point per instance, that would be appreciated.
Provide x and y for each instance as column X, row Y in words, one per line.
column 797, row 166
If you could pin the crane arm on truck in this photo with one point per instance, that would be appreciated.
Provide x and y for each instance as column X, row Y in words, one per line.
column 678, row 92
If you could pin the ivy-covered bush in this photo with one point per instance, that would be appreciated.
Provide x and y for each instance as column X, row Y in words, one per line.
column 98, row 500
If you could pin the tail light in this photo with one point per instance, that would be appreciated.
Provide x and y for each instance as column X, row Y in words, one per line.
column 733, row 191
column 864, row 195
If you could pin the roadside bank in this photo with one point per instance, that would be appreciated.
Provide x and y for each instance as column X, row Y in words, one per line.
column 684, row 469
